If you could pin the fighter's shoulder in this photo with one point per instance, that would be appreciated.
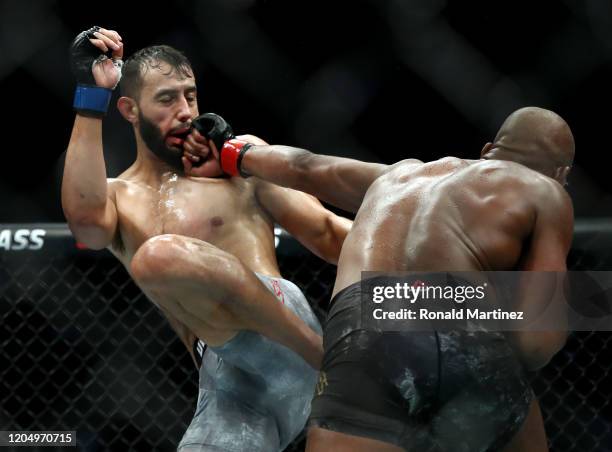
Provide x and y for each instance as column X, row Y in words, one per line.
column 519, row 180
column 409, row 162
column 118, row 184
column 546, row 196
column 123, row 187
column 403, row 164
column 508, row 171
column 550, row 193
column 507, row 166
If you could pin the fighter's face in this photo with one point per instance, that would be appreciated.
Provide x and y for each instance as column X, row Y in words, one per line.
column 167, row 105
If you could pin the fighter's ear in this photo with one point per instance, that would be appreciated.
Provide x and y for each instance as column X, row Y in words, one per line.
column 561, row 174
column 128, row 108
column 486, row 148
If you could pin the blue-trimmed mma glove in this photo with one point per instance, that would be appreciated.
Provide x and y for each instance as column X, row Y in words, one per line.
column 231, row 150
column 97, row 74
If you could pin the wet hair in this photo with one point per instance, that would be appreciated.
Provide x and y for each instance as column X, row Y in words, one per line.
column 152, row 57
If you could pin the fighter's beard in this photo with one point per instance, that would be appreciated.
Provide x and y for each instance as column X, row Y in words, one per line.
column 154, row 140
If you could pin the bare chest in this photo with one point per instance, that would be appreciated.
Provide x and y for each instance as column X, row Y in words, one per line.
column 207, row 209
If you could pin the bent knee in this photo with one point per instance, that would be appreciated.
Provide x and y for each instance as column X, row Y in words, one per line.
column 169, row 257
column 156, row 257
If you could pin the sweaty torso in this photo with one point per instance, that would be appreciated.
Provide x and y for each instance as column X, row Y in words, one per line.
column 222, row 212
column 446, row 215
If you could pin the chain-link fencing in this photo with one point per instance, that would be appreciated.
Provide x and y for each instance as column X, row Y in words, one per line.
column 83, row 349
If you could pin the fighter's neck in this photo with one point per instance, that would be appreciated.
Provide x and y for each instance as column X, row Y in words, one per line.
column 151, row 170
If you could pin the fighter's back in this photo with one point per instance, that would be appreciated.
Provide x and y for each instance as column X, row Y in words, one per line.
column 449, row 214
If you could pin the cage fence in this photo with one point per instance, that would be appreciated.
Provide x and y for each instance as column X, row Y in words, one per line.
column 84, row 350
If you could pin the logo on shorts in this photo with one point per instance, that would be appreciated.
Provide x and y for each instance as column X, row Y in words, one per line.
column 278, row 291
column 322, row 383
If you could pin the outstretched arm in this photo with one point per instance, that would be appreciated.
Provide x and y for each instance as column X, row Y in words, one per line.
column 302, row 215
column 341, row 182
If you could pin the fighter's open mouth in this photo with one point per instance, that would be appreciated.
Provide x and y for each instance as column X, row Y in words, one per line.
column 177, row 137
column 181, row 133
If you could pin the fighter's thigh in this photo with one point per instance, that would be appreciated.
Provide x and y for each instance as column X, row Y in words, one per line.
column 198, row 283
column 185, row 261
column 532, row 436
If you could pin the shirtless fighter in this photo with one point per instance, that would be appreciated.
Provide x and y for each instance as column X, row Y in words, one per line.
column 202, row 249
column 392, row 391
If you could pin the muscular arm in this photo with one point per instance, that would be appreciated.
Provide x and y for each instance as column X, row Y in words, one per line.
column 542, row 289
column 90, row 212
column 339, row 181
column 303, row 216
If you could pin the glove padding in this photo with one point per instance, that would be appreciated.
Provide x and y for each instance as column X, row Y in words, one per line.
column 231, row 151
column 213, row 127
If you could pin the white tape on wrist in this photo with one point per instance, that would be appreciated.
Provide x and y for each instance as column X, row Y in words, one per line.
column 117, row 62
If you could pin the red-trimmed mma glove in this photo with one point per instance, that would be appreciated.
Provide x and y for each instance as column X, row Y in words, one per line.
column 231, row 156
column 231, row 150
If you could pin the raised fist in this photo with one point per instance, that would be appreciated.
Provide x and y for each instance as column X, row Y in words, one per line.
column 95, row 57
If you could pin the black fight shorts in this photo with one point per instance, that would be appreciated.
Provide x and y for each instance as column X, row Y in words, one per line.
column 423, row 391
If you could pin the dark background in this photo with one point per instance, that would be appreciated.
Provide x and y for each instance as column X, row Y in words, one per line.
column 378, row 80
